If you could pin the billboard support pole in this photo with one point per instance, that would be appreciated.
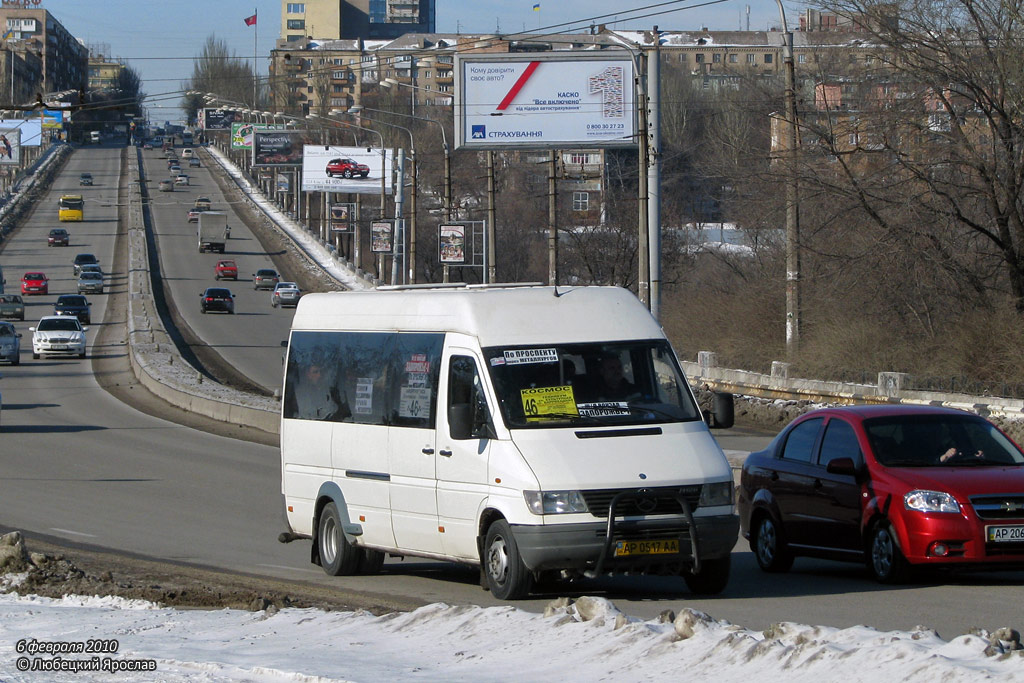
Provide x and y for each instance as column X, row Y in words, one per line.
column 643, row 270
column 552, row 221
column 489, row 269
column 398, row 238
column 654, row 173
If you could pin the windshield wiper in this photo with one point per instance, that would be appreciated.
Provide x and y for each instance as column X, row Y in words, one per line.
column 539, row 419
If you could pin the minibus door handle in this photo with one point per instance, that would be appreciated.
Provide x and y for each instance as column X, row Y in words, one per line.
column 427, row 450
column 445, row 453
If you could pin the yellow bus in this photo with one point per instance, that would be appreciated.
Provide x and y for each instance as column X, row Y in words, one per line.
column 70, row 207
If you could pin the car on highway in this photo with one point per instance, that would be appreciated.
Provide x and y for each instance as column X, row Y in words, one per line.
column 181, row 179
column 347, row 168
column 265, row 278
column 85, row 179
column 174, row 171
column 896, row 487
column 166, row 186
column 58, row 237
column 12, row 306
column 187, row 153
column 83, row 260
column 172, row 161
column 35, row 283
column 58, row 335
column 193, row 214
column 285, row 294
column 90, row 282
column 202, row 203
column 226, row 269
column 10, row 344
column 194, row 162
column 74, row 305
column 147, row 145
column 217, row 299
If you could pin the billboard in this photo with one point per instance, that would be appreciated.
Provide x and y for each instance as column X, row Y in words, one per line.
column 31, row 130
column 343, row 217
column 326, row 168
column 451, row 243
column 53, row 118
column 241, row 133
column 278, row 147
column 381, row 233
column 216, row 119
column 548, row 101
column 10, row 146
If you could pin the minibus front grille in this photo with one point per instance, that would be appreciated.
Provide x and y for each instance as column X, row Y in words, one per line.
column 643, row 501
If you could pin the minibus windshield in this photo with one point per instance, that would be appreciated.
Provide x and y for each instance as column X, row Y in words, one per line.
column 592, row 384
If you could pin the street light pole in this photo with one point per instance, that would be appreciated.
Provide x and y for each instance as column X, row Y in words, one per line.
column 792, row 208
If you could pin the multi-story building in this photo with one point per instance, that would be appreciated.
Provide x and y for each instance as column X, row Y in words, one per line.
column 352, row 19
column 64, row 58
column 104, row 71
column 21, row 73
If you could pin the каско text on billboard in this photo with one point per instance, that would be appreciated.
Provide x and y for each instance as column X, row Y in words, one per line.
column 548, row 101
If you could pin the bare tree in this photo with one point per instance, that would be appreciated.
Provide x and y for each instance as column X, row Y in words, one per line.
column 219, row 70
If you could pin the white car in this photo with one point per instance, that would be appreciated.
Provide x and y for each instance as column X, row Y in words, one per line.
column 58, row 335
column 285, row 294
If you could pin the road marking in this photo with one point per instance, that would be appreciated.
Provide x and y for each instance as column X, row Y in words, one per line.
column 73, row 533
column 294, row 569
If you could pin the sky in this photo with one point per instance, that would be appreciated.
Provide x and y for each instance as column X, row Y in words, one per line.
column 160, row 39
column 590, row 640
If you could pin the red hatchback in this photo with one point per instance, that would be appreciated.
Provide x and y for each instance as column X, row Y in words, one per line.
column 35, row 283
column 895, row 487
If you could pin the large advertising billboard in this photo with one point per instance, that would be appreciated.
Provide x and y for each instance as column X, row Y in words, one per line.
column 217, row 119
column 10, row 146
column 241, row 133
column 326, row 168
column 31, row 130
column 544, row 101
column 278, row 147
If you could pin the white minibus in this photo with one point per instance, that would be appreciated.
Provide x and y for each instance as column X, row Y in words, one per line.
column 535, row 432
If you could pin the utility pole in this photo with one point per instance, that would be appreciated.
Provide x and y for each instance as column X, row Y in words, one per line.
column 552, row 220
column 792, row 196
column 654, row 173
column 491, row 271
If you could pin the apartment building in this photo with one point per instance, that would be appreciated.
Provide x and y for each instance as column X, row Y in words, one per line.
column 64, row 58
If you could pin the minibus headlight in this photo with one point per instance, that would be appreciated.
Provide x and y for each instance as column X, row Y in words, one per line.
column 716, row 493
column 930, row 501
column 555, row 502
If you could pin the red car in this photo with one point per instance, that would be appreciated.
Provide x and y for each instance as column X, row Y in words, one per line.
column 226, row 270
column 34, row 283
column 347, row 168
column 896, row 487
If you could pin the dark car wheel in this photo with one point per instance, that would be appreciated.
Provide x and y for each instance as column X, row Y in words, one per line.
column 712, row 578
column 504, row 572
column 35, row 356
column 337, row 556
column 885, row 560
column 769, row 549
column 370, row 561
column 202, row 309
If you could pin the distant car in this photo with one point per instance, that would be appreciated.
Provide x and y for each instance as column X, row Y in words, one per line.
column 217, row 299
column 226, row 270
column 265, row 278
column 181, row 179
column 174, row 171
column 194, row 162
column 12, row 306
column 90, row 282
column 74, row 305
column 187, row 153
column 193, row 215
column 166, row 186
column 285, row 294
column 35, row 283
column 202, row 203
column 347, row 168
column 58, row 237
column 84, row 259
column 147, row 145
column 90, row 268
column 895, row 487
column 58, row 335
column 10, row 344
column 85, row 179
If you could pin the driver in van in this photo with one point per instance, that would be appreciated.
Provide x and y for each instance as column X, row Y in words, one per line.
column 612, row 384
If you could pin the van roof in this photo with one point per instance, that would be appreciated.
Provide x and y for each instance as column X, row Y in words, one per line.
column 494, row 315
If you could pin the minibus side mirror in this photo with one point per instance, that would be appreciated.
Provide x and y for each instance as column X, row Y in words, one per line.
column 722, row 414
column 463, row 425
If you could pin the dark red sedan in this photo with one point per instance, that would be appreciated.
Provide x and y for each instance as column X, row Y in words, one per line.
column 896, row 487
column 35, row 283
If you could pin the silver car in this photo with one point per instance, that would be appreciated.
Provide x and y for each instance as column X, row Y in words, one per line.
column 90, row 282
column 285, row 294
column 12, row 306
column 58, row 335
column 10, row 344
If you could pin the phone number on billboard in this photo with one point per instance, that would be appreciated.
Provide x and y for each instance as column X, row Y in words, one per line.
column 606, row 126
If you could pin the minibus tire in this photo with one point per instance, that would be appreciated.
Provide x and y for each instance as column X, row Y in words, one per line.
column 370, row 561
column 338, row 557
column 712, row 577
column 506, row 576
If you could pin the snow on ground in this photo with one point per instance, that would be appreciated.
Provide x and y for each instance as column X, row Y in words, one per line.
column 587, row 641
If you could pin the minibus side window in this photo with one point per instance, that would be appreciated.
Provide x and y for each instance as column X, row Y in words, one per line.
column 466, row 401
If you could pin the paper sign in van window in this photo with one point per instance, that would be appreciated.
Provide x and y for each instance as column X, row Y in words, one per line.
column 414, row 402
column 364, row 396
column 603, row 408
column 519, row 356
column 543, row 401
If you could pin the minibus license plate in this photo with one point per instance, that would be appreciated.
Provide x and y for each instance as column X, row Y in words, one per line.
column 655, row 547
column 1005, row 534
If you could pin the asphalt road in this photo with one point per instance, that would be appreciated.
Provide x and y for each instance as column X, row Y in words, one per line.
column 78, row 466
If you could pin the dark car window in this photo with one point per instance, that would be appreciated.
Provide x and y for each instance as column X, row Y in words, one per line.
column 218, row 293
column 800, row 442
column 6, row 330
column 840, row 441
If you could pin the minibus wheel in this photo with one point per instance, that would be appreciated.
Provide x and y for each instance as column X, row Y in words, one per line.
column 370, row 561
column 337, row 556
column 506, row 576
column 712, row 577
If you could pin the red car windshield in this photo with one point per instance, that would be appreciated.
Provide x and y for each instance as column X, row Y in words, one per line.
column 939, row 440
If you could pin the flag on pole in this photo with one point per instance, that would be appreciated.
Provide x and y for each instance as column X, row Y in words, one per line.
column 536, row 8
column 250, row 21
column 9, row 34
